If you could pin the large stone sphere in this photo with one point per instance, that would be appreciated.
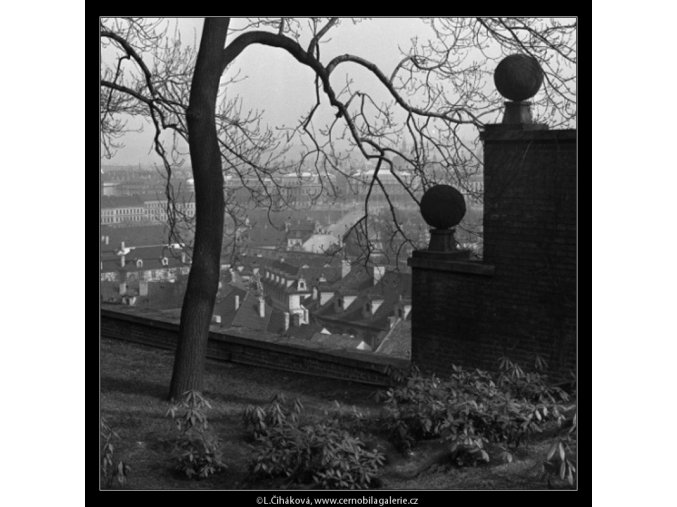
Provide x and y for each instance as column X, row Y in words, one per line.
column 518, row 77
column 442, row 206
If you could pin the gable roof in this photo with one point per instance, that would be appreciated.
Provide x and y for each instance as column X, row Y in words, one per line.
column 151, row 257
column 397, row 342
column 338, row 341
column 126, row 201
column 358, row 279
column 248, row 314
column 389, row 289
column 225, row 304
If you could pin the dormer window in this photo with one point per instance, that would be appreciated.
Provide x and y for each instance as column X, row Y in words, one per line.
column 139, row 263
column 302, row 284
column 165, row 261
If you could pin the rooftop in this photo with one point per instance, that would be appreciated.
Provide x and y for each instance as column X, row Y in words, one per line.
column 397, row 342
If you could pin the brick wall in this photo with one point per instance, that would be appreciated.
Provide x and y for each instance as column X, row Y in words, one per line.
column 521, row 299
column 153, row 329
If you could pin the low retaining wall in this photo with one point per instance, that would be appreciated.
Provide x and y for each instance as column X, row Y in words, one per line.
column 158, row 331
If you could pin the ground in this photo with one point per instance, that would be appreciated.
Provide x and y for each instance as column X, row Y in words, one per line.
column 134, row 384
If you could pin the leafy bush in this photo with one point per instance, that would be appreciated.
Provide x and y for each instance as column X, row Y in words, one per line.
column 323, row 453
column 560, row 460
column 112, row 474
column 199, row 455
column 259, row 421
column 472, row 408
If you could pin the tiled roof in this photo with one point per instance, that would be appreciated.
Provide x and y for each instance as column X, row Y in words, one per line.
column 304, row 332
column 126, row 201
column 397, row 342
column 140, row 235
column 225, row 304
column 151, row 256
column 277, row 321
column 161, row 294
column 355, row 281
column 389, row 289
column 302, row 226
column 248, row 314
column 313, row 274
column 336, row 341
column 289, row 269
column 302, row 235
column 264, row 235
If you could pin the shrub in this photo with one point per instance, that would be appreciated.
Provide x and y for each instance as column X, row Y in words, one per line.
column 560, row 460
column 259, row 421
column 198, row 448
column 472, row 408
column 112, row 474
column 322, row 453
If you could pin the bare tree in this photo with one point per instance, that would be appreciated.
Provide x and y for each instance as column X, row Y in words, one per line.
column 437, row 96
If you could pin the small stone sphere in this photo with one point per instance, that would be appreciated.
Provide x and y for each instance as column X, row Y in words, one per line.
column 518, row 77
column 442, row 206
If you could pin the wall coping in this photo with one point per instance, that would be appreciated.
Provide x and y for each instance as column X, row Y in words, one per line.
column 513, row 133
column 431, row 261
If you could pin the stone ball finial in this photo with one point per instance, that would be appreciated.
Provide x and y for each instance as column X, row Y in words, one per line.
column 518, row 77
column 442, row 206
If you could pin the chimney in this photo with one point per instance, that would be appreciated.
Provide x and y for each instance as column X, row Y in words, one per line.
column 306, row 316
column 143, row 288
column 345, row 268
column 237, row 302
column 183, row 257
column 286, row 321
column 262, row 307
column 379, row 271
column 122, row 254
column 217, row 319
column 107, row 239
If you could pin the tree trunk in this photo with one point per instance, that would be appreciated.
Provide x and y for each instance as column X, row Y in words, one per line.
column 205, row 157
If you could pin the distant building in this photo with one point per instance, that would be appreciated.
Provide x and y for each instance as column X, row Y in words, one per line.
column 151, row 263
column 364, row 303
column 115, row 210
column 142, row 209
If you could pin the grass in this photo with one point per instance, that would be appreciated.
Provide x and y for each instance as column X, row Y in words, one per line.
column 134, row 383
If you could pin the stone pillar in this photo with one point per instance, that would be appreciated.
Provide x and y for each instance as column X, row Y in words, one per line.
column 519, row 301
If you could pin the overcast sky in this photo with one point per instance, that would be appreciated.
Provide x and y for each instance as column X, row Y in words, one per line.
column 282, row 87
